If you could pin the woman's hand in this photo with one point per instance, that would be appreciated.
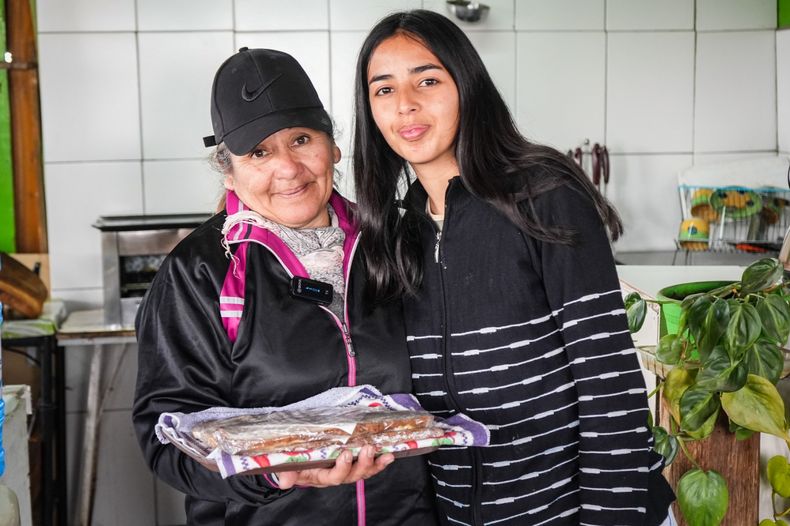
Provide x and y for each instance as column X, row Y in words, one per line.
column 344, row 471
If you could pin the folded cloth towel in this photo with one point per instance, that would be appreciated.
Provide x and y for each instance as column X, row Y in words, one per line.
column 460, row 430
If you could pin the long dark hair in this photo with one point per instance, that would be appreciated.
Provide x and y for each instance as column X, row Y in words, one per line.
column 488, row 148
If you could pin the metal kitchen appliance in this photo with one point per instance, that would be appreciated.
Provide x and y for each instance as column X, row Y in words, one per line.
column 133, row 248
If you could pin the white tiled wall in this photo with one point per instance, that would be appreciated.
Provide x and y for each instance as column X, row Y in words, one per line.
column 352, row 15
column 645, row 197
column 77, row 193
column 648, row 15
column 175, row 86
column 561, row 79
column 90, row 102
column 184, row 15
column 783, row 89
column 650, row 91
column 715, row 15
column 125, row 88
column 85, row 15
column 272, row 15
column 730, row 113
column 560, row 15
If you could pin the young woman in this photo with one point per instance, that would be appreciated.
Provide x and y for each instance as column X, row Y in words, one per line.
column 513, row 308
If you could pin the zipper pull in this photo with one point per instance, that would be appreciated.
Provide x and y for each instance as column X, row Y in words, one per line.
column 347, row 337
column 436, row 246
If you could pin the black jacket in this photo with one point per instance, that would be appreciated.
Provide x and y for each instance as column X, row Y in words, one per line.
column 531, row 339
column 286, row 350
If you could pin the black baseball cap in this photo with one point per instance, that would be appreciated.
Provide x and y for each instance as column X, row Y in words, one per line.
column 258, row 92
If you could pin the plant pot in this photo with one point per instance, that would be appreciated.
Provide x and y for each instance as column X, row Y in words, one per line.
column 674, row 295
column 738, row 461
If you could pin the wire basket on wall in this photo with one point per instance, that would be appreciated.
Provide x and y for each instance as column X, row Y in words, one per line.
column 733, row 218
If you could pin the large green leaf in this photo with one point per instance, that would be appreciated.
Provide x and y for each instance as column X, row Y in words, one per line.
column 697, row 313
column 714, row 327
column 743, row 328
column 775, row 315
column 757, row 406
column 669, row 349
column 696, row 407
column 769, row 522
column 765, row 358
column 703, row 497
column 761, row 275
column 703, row 431
column 676, row 383
column 741, row 433
column 665, row 444
column 779, row 475
column 635, row 310
column 721, row 373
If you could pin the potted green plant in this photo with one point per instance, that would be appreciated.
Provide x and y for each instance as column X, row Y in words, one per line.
column 726, row 355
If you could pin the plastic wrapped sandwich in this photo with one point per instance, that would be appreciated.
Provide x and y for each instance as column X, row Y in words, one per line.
column 314, row 428
column 313, row 432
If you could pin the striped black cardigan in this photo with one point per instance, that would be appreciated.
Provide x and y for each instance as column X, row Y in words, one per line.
column 531, row 339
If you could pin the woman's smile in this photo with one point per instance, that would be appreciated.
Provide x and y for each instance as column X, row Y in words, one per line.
column 292, row 192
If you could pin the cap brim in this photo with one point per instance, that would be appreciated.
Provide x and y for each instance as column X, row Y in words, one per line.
column 246, row 137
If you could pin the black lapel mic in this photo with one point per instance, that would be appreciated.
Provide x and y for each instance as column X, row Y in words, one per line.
column 311, row 290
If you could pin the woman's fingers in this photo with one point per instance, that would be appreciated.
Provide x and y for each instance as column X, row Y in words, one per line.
column 368, row 465
column 318, row 477
column 287, row 479
column 345, row 470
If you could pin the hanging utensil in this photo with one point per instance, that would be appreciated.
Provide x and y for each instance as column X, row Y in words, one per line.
column 605, row 168
column 595, row 153
column 578, row 157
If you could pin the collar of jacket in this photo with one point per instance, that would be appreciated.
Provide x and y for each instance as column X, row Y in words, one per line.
column 456, row 193
column 246, row 232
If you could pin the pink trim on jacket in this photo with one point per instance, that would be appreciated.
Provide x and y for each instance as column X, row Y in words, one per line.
column 231, row 298
column 233, row 286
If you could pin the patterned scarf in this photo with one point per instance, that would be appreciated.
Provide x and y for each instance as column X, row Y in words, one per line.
column 320, row 250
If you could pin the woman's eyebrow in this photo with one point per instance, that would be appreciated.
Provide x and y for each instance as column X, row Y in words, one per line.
column 412, row 71
column 425, row 67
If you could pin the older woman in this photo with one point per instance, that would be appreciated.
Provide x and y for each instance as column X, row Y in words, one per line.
column 227, row 321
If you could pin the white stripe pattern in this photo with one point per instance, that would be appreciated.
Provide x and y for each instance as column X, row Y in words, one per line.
column 514, row 345
column 551, row 451
column 506, row 366
column 533, row 384
column 518, row 403
column 233, row 300
column 539, row 416
column 532, row 474
column 572, row 323
column 525, row 381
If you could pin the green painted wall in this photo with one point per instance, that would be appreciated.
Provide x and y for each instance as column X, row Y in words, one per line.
column 783, row 14
column 7, row 227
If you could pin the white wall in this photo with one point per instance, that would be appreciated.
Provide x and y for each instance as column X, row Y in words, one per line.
column 783, row 90
column 125, row 88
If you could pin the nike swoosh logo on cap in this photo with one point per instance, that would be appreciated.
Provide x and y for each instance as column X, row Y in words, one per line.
column 250, row 96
